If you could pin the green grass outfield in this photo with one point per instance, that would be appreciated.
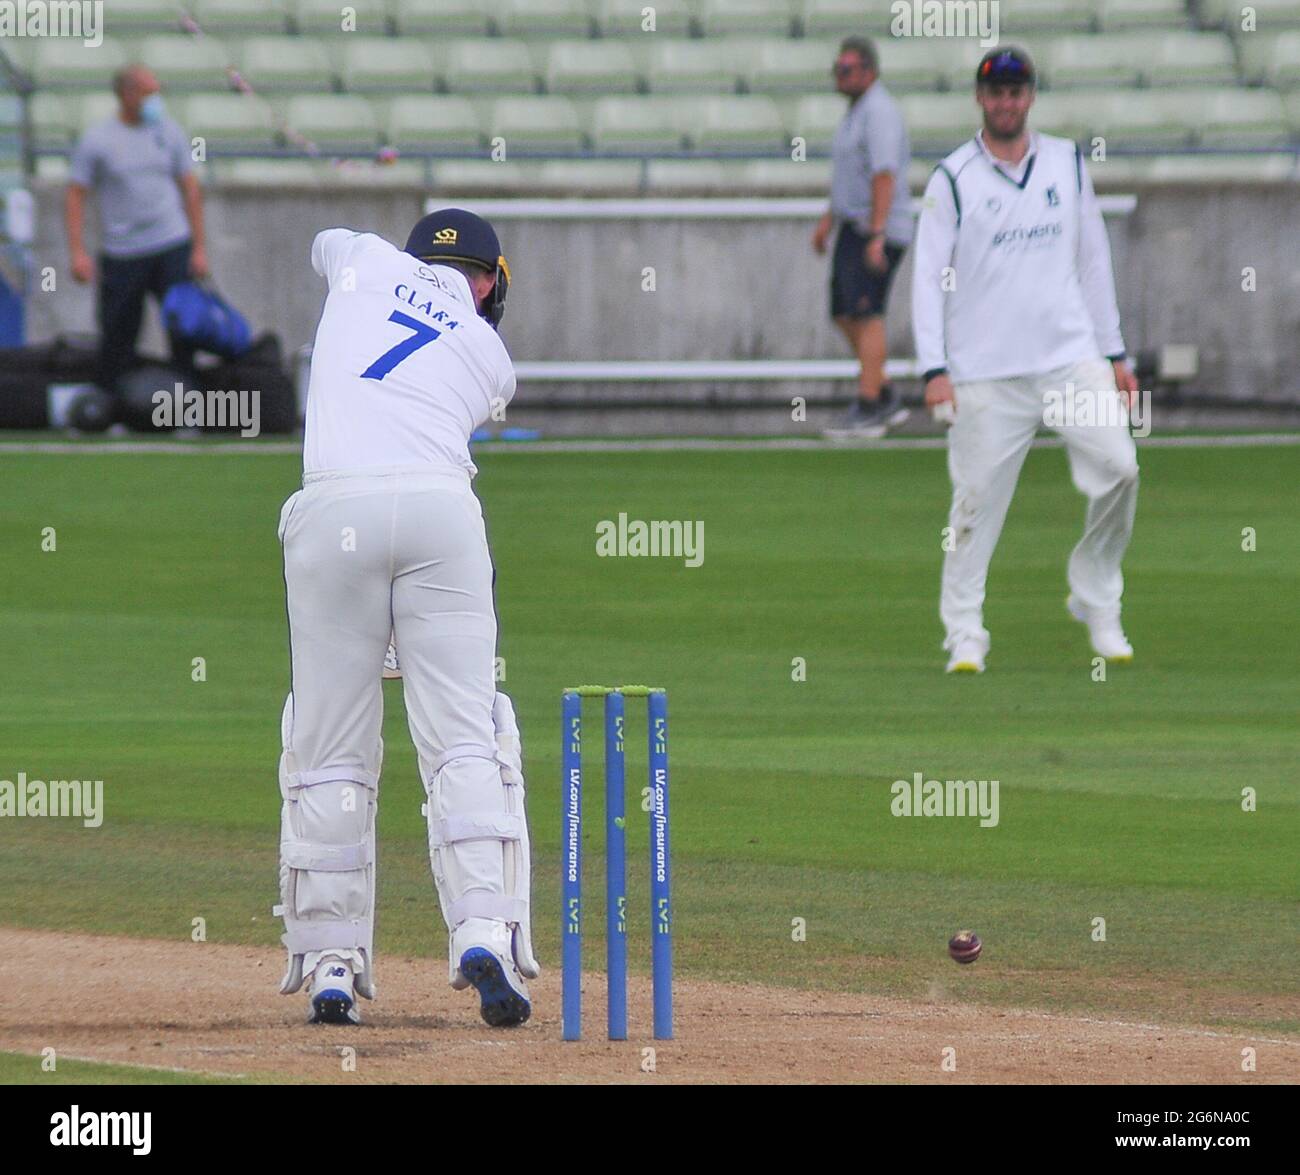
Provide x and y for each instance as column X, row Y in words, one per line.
column 1119, row 800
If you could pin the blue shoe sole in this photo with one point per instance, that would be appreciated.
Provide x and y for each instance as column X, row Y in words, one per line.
column 502, row 1006
column 333, row 1007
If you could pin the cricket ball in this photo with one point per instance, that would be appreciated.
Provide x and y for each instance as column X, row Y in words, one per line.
column 965, row 946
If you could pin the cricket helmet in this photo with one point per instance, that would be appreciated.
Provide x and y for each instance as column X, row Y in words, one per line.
column 452, row 234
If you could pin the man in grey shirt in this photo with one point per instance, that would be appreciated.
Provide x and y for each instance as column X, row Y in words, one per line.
column 150, row 212
column 871, row 208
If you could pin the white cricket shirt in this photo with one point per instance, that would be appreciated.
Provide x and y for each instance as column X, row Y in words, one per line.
column 1012, row 265
column 404, row 369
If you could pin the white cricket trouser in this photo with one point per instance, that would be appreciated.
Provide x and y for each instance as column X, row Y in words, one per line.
column 365, row 553
column 994, row 425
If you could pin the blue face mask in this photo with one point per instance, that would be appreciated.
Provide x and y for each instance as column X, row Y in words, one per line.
column 152, row 110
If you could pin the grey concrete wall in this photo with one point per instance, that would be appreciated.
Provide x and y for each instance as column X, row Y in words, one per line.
column 752, row 289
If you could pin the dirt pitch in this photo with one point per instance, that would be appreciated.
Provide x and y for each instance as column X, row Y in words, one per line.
column 216, row 1009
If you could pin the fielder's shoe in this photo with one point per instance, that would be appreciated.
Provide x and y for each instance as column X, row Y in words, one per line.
column 870, row 420
column 486, row 962
column 333, row 1000
column 967, row 657
column 1103, row 630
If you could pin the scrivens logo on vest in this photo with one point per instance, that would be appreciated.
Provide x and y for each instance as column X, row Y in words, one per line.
column 1037, row 234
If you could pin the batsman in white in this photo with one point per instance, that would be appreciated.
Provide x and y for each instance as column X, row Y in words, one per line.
column 1013, row 308
column 386, row 535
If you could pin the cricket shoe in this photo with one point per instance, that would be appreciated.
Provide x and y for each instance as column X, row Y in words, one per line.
column 967, row 657
column 487, row 963
column 1103, row 630
column 333, row 998
column 868, row 419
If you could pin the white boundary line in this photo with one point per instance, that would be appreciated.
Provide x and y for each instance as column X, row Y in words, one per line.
column 62, row 1056
column 660, row 445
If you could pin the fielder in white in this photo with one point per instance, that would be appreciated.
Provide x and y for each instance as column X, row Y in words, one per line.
column 1013, row 308
column 386, row 535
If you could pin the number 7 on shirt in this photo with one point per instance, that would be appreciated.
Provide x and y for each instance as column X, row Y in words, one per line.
column 424, row 334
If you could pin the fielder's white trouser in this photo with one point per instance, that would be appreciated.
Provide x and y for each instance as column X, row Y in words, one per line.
column 991, row 433
column 366, row 554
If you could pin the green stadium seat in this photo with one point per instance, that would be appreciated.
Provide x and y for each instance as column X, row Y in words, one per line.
column 1291, row 105
column 1018, row 18
column 287, row 64
column 229, row 122
column 19, row 51
column 340, row 121
column 482, row 177
column 186, row 63
column 1119, row 173
column 1221, row 169
column 52, row 169
column 1060, row 112
column 445, row 18
column 491, row 64
column 398, row 173
column 535, row 123
column 650, row 123
column 747, row 17
column 814, row 119
column 92, row 109
column 590, row 177
column 326, row 17
column 780, row 177
column 939, row 123
column 784, row 66
column 1110, row 59
column 1272, row 58
column 273, row 173
column 685, row 177
column 911, row 64
column 841, row 18
column 440, row 122
column 1284, row 65
column 1271, row 15
column 695, row 67
column 734, row 124
column 591, row 67
column 143, row 16
column 220, row 17
column 625, row 18
column 1145, row 120
column 1180, row 58
column 1113, row 15
column 1239, row 118
column 65, row 63
column 53, row 120
column 542, row 18
column 386, row 64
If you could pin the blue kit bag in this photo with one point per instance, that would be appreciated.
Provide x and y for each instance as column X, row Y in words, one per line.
column 200, row 315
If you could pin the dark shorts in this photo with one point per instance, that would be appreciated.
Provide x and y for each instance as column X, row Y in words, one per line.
column 856, row 291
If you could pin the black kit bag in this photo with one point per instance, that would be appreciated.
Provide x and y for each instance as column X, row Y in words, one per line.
column 261, row 368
